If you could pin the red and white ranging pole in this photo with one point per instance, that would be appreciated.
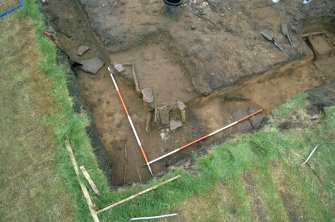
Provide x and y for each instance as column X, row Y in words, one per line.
column 130, row 121
column 205, row 137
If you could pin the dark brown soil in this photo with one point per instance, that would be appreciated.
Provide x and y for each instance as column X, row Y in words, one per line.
column 265, row 79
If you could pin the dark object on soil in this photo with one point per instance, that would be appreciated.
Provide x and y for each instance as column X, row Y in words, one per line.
column 243, row 126
column 91, row 65
column 268, row 35
column 257, row 120
column 290, row 124
column 170, row 6
column 235, row 97
column 321, row 97
column 82, row 49
column 284, row 29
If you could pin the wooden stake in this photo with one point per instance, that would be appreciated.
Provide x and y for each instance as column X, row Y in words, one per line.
column 82, row 186
column 124, row 174
column 139, row 175
column 125, row 151
column 138, row 194
column 89, row 180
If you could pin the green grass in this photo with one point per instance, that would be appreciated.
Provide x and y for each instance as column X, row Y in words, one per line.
column 267, row 190
column 32, row 187
column 224, row 162
column 308, row 199
column 297, row 102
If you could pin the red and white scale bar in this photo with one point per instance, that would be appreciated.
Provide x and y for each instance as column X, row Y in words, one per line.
column 206, row 136
column 130, row 121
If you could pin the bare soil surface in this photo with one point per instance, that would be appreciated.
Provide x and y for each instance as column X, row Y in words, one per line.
column 184, row 57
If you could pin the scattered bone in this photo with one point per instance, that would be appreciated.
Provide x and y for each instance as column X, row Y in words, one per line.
column 181, row 107
column 149, row 117
column 148, row 99
column 183, row 115
column 119, row 68
column 91, row 65
column 312, row 34
column 175, row 124
column 137, row 87
column 82, row 49
column 156, row 116
column 164, row 135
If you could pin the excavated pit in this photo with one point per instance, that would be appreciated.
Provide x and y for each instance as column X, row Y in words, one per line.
column 173, row 64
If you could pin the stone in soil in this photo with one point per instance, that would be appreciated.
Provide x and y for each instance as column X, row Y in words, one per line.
column 181, row 105
column 147, row 95
column 244, row 126
column 118, row 68
column 257, row 119
column 164, row 113
column 91, row 65
column 82, row 49
column 175, row 124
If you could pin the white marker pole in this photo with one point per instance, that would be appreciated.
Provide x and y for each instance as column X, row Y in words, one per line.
column 130, row 121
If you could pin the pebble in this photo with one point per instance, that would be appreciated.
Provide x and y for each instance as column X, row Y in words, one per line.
column 82, row 49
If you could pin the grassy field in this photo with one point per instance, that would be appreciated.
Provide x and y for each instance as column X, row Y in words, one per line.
column 32, row 187
column 273, row 185
column 255, row 176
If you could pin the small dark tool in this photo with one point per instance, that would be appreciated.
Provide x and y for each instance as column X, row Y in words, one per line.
column 284, row 29
column 268, row 35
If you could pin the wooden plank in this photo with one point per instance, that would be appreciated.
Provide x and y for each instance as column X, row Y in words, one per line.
column 82, row 186
column 89, row 180
column 138, row 194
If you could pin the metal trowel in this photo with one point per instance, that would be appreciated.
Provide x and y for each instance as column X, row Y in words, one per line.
column 284, row 29
column 268, row 35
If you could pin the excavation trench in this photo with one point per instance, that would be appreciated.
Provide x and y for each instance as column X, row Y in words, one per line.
column 159, row 65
